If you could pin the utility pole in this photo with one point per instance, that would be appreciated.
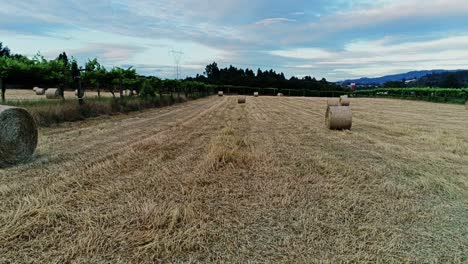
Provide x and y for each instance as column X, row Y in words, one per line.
column 177, row 55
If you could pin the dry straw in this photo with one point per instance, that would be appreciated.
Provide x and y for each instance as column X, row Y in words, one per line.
column 40, row 91
column 241, row 100
column 333, row 102
column 339, row 117
column 18, row 135
column 255, row 94
column 220, row 93
column 344, row 100
column 52, row 93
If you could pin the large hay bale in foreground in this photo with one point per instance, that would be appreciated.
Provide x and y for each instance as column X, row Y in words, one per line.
column 40, row 91
column 241, row 100
column 333, row 102
column 339, row 117
column 344, row 100
column 53, row 93
column 220, row 93
column 18, row 135
column 255, row 94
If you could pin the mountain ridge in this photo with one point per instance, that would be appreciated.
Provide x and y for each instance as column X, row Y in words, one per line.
column 394, row 77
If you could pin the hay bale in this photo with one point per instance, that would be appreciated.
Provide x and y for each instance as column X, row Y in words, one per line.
column 220, row 93
column 333, row 102
column 339, row 117
column 466, row 105
column 255, row 94
column 35, row 88
column 18, row 135
column 53, row 93
column 241, row 100
column 279, row 94
column 344, row 100
column 76, row 92
column 40, row 91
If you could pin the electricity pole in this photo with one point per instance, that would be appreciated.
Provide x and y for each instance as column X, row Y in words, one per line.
column 177, row 55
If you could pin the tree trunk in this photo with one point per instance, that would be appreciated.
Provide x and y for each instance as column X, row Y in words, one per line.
column 80, row 93
column 98, row 90
column 120, row 87
column 3, row 87
column 111, row 89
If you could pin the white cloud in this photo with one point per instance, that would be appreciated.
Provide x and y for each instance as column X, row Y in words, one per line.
column 303, row 53
column 270, row 21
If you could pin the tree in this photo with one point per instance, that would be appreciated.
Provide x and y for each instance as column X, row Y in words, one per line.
column 394, row 84
column 451, row 81
column 212, row 72
column 4, row 51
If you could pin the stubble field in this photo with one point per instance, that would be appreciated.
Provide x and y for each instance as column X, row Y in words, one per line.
column 215, row 181
column 21, row 95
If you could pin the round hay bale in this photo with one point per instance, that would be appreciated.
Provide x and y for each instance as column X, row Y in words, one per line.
column 333, row 102
column 76, row 92
column 255, row 94
column 339, row 117
column 280, row 94
column 35, row 88
column 52, row 93
column 241, row 100
column 344, row 100
column 220, row 93
column 466, row 105
column 18, row 135
column 40, row 91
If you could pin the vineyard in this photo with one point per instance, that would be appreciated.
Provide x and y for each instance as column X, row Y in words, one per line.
column 444, row 95
column 265, row 181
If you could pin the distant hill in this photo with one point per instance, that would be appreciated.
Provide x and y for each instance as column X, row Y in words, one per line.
column 454, row 79
column 396, row 77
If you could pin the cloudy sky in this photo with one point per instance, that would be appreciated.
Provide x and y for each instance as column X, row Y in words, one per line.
column 335, row 39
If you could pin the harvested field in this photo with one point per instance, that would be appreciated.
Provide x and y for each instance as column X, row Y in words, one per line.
column 216, row 181
column 14, row 95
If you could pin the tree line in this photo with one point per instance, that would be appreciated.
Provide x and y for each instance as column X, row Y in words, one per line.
column 262, row 79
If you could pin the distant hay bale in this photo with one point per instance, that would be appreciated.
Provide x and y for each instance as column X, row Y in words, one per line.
column 466, row 105
column 333, row 102
column 344, row 100
column 220, row 93
column 134, row 92
column 255, row 94
column 18, row 135
column 241, row 100
column 35, row 88
column 339, row 117
column 53, row 93
column 40, row 91
column 127, row 92
column 279, row 94
column 76, row 92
